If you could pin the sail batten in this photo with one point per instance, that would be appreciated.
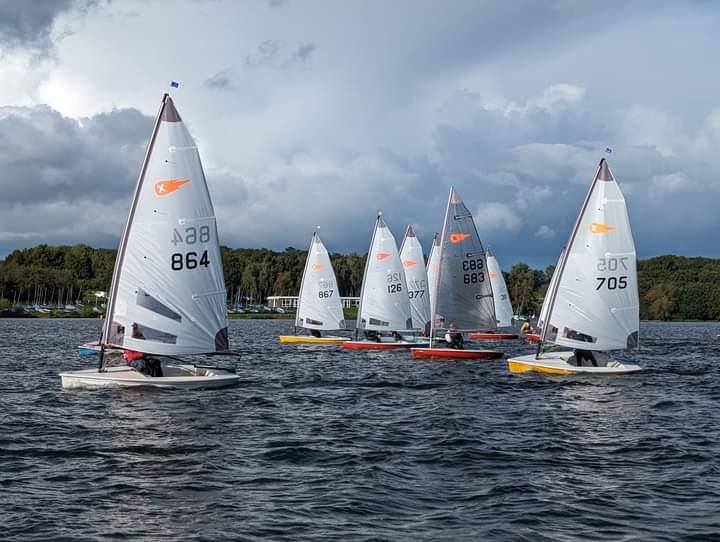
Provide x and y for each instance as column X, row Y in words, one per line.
column 168, row 292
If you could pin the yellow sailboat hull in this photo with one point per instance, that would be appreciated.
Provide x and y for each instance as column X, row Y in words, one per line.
column 309, row 339
column 558, row 363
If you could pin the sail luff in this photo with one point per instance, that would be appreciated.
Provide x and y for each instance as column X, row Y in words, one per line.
column 365, row 271
column 112, row 293
column 439, row 259
column 568, row 248
column 302, row 281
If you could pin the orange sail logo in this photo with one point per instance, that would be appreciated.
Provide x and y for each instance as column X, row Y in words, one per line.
column 382, row 255
column 168, row 186
column 409, row 263
column 456, row 238
column 493, row 275
column 596, row 227
column 316, row 267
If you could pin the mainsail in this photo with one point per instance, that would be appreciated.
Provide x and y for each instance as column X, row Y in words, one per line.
column 594, row 303
column 413, row 262
column 433, row 266
column 384, row 303
column 319, row 304
column 463, row 295
column 168, row 278
column 501, row 296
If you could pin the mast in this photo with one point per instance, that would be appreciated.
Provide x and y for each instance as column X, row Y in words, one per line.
column 563, row 260
column 302, row 281
column 367, row 262
column 439, row 271
column 110, row 305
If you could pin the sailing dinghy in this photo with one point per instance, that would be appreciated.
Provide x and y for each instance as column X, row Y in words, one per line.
column 501, row 298
column 416, row 278
column 592, row 304
column 384, row 303
column 167, row 297
column 432, row 269
column 462, row 292
column 319, row 304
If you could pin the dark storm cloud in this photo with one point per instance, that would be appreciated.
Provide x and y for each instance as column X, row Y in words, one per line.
column 219, row 81
column 29, row 22
column 47, row 157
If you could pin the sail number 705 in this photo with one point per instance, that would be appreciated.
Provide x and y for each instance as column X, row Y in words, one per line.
column 612, row 264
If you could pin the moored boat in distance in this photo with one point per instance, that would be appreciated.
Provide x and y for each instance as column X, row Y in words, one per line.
column 463, row 297
column 592, row 304
column 167, row 296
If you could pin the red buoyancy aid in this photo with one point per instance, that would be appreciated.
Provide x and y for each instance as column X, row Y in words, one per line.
column 131, row 355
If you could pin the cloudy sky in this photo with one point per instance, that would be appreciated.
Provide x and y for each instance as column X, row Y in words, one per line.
column 318, row 112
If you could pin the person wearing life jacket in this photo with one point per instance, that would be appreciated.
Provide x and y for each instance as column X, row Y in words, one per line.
column 526, row 328
column 453, row 338
column 134, row 359
column 138, row 361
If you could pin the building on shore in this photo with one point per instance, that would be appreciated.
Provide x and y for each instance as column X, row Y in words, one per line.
column 291, row 301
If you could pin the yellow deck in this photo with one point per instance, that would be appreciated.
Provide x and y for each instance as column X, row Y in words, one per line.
column 309, row 339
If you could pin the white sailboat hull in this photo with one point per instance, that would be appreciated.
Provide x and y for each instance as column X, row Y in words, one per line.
column 178, row 376
column 562, row 363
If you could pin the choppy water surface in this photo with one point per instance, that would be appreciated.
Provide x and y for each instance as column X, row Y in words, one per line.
column 317, row 443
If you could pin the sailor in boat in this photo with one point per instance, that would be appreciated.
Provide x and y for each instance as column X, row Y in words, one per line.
column 453, row 338
column 137, row 360
column 315, row 333
column 372, row 335
column 526, row 328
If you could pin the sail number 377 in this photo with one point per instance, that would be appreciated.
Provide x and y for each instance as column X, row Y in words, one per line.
column 612, row 264
column 192, row 259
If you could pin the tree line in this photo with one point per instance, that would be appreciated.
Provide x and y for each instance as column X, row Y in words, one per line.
column 671, row 287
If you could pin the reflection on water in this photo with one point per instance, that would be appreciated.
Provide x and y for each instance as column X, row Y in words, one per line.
column 321, row 443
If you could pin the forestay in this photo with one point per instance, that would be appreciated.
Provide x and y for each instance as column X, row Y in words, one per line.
column 501, row 296
column 416, row 278
column 319, row 304
column 550, row 289
column 168, row 276
column 464, row 295
column 595, row 304
column 384, row 303
column 433, row 266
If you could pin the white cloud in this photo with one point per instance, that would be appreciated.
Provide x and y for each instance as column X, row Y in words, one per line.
column 544, row 232
column 497, row 217
column 671, row 182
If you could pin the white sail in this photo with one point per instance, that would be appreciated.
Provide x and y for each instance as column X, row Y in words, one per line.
column 501, row 296
column 319, row 303
column 168, row 276
column 433, row 266
column 464, row 295
column 416, row 278
column 595, row 302
column 384, row 303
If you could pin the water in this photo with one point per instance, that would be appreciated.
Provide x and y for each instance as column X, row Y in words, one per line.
column 317, row 443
